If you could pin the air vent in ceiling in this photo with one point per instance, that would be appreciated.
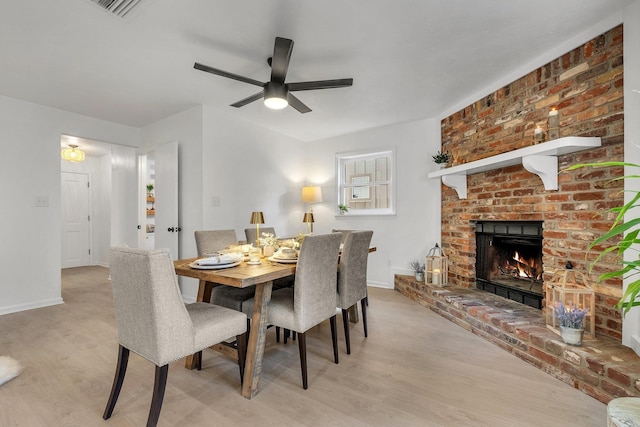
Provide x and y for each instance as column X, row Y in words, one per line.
column 118, row 7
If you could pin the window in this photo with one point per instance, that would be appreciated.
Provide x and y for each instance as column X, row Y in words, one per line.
column 365, row 183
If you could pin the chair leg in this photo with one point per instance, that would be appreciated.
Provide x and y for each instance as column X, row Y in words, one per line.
column 364, row 316
column 345, row 322
column 121, row 369
column 158, row 395
column 285, row 334
column 198, row 359
column 248, row 331
column 334, row 337
column 241, row 341
column 302, row 348
column 277, row 333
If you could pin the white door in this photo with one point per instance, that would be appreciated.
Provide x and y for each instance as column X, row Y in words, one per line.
column 166, row 198
column 75, row 220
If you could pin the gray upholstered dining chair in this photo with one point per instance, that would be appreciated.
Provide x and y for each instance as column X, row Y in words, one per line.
column 352, row 278
column 154, row 322
column 345, row 233
column 208, row 241
column 250, row 233
column 312, row 300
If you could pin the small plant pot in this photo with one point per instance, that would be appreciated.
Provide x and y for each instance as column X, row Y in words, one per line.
column 420, row 277
column 571, row 336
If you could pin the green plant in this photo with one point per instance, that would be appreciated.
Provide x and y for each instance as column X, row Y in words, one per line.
column 343, row 208
column 417, row 267
column 626, row 236
column 441, row 157
column 569, row 316
column 149, row 188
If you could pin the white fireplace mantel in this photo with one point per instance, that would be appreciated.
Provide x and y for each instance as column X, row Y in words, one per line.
column 540, row 159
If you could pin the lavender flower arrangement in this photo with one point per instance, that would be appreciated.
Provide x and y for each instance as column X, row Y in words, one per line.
column 569, row 316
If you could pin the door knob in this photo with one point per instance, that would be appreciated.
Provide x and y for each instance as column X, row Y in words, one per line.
column 170, row 229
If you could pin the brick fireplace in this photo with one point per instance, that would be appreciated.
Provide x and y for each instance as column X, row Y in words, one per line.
column 585, row 86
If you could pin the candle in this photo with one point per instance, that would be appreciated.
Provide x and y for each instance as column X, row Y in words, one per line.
column 553, row 112
column 538, row 130
column 436, row 276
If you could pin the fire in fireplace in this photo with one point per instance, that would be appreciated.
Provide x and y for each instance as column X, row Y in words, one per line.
column 509, row 260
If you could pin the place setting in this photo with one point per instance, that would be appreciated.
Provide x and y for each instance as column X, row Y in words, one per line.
column 285, row 256
column 218, row 261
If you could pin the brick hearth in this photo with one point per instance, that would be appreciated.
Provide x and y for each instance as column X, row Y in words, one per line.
column 602, row 368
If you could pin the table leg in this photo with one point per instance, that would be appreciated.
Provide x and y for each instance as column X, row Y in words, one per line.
column 257, row 338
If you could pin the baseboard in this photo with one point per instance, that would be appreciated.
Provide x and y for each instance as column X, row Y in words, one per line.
column 30, row 306
column 383, row 285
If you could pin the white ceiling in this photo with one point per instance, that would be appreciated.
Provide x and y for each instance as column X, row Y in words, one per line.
column 410, row 59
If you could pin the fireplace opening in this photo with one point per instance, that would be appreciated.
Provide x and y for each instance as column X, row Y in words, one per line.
column 509, row 260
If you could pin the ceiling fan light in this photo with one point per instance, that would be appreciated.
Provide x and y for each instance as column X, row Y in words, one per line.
column 73, row 154
column 275, row 96
column 276, row 103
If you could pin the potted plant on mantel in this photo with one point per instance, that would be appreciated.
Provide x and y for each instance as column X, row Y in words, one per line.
column 441, row 158
column 571, row 321
column 343, row 209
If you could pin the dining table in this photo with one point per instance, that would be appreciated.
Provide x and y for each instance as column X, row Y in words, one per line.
column 241, row 276
column 244, row 275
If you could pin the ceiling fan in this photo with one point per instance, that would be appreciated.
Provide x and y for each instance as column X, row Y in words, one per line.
column 277, row 93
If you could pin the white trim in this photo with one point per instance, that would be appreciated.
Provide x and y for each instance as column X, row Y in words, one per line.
column 30, row 306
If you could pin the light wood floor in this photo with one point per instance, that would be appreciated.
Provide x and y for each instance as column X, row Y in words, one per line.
column 415, row 369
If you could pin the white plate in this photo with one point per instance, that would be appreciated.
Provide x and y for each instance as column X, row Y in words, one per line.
column 253, row 263
column 213, row 267
column 284, row 260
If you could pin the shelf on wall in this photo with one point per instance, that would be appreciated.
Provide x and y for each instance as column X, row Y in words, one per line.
column 540, row 159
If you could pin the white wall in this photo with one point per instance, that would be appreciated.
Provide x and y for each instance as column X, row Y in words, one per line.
column 29, row 168
column 248, row 169
column 415, row 228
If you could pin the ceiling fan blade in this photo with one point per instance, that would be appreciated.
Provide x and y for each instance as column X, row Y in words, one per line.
column 222, row 73
column 298, row 105
column 280, row 60
column 248, row 99
column 320, row 84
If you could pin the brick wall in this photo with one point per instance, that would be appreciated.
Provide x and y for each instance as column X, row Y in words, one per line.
column 586, row 87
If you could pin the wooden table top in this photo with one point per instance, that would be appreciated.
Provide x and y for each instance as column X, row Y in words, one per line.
column 241, row 276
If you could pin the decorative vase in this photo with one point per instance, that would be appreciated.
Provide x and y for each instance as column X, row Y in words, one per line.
column 442, row 165
column 420, row 277
column 571, row 336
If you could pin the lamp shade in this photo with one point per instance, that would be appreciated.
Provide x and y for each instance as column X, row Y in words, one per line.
column 308, row 217
column 257, row 218
column 311, row 194
column 72, row 154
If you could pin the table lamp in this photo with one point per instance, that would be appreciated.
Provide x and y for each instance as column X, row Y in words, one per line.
column 257, row 218
column 311, row 194
column 308, row 218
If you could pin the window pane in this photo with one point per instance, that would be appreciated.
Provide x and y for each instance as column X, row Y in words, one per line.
column 365, row 183
column 379, row 197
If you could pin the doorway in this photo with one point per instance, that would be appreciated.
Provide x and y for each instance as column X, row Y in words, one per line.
column 76, row 236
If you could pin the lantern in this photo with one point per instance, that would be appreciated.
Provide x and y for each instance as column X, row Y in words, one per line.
column 570, row 287
column 436, row 267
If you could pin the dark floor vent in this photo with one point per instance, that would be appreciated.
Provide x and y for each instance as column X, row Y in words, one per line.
column 118, row 7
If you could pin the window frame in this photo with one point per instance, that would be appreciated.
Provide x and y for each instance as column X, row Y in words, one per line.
column 342, row 186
